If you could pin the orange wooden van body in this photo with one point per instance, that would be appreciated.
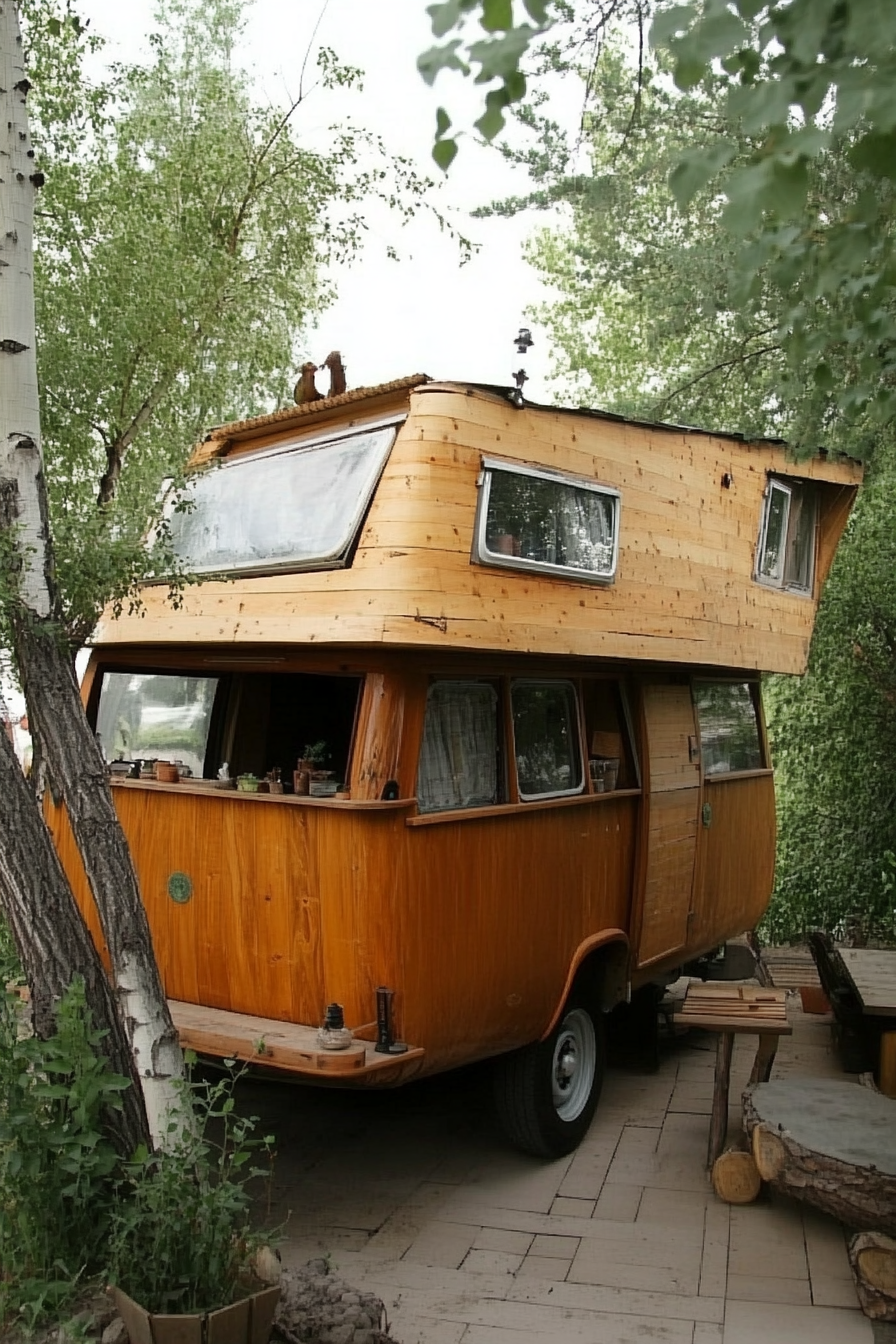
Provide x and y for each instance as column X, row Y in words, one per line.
column 479, row 918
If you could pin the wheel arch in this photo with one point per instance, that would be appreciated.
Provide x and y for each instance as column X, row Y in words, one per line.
column 604, row 956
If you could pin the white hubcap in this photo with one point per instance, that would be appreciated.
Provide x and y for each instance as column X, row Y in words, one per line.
column 574, row 1065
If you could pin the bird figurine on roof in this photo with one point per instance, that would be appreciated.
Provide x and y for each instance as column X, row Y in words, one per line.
column 334, row 363
column 305, row 389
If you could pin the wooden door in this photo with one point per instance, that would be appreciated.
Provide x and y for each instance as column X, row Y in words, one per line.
column 672, row 804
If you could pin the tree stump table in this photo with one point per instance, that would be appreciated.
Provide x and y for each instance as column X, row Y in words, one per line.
column 829, row 1143
column 729, row 1009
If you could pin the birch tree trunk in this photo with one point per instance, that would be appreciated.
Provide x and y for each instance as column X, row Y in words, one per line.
column 52, row 938
column 64, row 740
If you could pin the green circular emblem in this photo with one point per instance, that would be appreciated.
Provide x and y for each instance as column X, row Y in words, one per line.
column 180, row 888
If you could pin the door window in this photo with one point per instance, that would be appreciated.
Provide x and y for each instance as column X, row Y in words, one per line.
column 729, row 727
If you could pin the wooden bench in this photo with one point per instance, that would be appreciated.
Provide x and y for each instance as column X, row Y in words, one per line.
column 729, row 1009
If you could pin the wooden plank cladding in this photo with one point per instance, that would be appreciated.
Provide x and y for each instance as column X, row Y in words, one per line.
column 500, row 763
column 684, row 591
column 292, row 906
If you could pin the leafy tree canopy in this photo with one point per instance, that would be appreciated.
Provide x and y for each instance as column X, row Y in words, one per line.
column 797, row 79
column 182, row 239
column 649, row 318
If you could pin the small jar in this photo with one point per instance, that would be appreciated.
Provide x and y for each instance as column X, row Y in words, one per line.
column 334, row 1034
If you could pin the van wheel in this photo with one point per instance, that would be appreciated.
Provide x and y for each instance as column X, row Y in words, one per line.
column 546, row 1094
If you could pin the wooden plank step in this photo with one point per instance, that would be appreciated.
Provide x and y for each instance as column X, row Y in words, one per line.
column 735, row 1008
column 282, row 1045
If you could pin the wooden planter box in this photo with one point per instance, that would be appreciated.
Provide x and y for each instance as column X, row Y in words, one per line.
column 247, row 1321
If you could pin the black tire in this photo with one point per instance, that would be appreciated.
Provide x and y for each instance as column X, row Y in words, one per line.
column 546, row 1094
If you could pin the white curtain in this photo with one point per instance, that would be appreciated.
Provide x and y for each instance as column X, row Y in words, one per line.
column 459, row 757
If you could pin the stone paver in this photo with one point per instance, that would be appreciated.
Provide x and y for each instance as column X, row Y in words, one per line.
column 418, row 1200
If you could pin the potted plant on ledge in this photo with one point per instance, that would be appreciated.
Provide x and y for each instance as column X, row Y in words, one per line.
column 183, row 1254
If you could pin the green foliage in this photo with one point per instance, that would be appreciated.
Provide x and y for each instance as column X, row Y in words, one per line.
column 494, row 59
column 181, row 239
column 172, row 1228
column 181, row 1237
column 652, row 317
column 316, row 752
column 806, row 80
column 56, row 1167
column 644, row 316
column 834, row 740
column 799, row 85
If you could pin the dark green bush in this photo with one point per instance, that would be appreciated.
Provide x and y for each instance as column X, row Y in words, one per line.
column 57, row 1168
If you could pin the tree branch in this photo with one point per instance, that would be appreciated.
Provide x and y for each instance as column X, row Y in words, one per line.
column 741, row 358
column 117, row 447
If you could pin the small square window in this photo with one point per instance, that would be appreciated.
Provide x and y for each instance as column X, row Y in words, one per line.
column 541, row 520
column 787, row 535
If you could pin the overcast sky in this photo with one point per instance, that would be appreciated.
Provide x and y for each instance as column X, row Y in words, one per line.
column 424, row 313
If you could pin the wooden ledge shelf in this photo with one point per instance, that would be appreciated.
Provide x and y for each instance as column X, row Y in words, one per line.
column 207, row 789
column 280, row 1045
column 518, row 809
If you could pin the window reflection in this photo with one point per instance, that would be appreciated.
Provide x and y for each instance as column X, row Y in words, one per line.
column 729, row 728
column 546, row 738
column 537, row 520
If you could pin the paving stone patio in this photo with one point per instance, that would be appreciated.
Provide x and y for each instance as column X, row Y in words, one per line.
column 417, row 1199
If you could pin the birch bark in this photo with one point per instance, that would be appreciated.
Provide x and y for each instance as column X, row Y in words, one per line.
column 64, row 740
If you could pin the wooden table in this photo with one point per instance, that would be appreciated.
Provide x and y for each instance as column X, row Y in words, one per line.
column 729, row 1009
column 873, row 975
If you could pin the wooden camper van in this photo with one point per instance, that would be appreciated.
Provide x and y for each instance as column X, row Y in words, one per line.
column 519, row 650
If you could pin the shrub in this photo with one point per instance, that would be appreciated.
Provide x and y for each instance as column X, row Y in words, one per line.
column 181, row 1239
column 57, row 1168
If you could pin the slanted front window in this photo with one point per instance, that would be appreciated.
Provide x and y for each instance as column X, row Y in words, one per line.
column 298, row 506
column 546, row 739
column 729, row 727
column 786, row 552
column 459, row 757
column 543, row 520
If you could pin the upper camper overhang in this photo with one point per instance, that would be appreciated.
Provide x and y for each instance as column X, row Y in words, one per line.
column 698, row 574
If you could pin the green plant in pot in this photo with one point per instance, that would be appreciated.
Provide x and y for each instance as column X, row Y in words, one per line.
column 314, row 756
column 182, row 1249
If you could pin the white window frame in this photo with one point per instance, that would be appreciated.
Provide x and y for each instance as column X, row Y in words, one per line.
column 576, row 741
column 483, row 556
column 789, row 489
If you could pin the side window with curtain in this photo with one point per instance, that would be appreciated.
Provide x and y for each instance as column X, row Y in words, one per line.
column 534, row 519
column 459, row 756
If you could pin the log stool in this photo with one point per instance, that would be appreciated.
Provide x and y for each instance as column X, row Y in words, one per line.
column 728, row 1009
